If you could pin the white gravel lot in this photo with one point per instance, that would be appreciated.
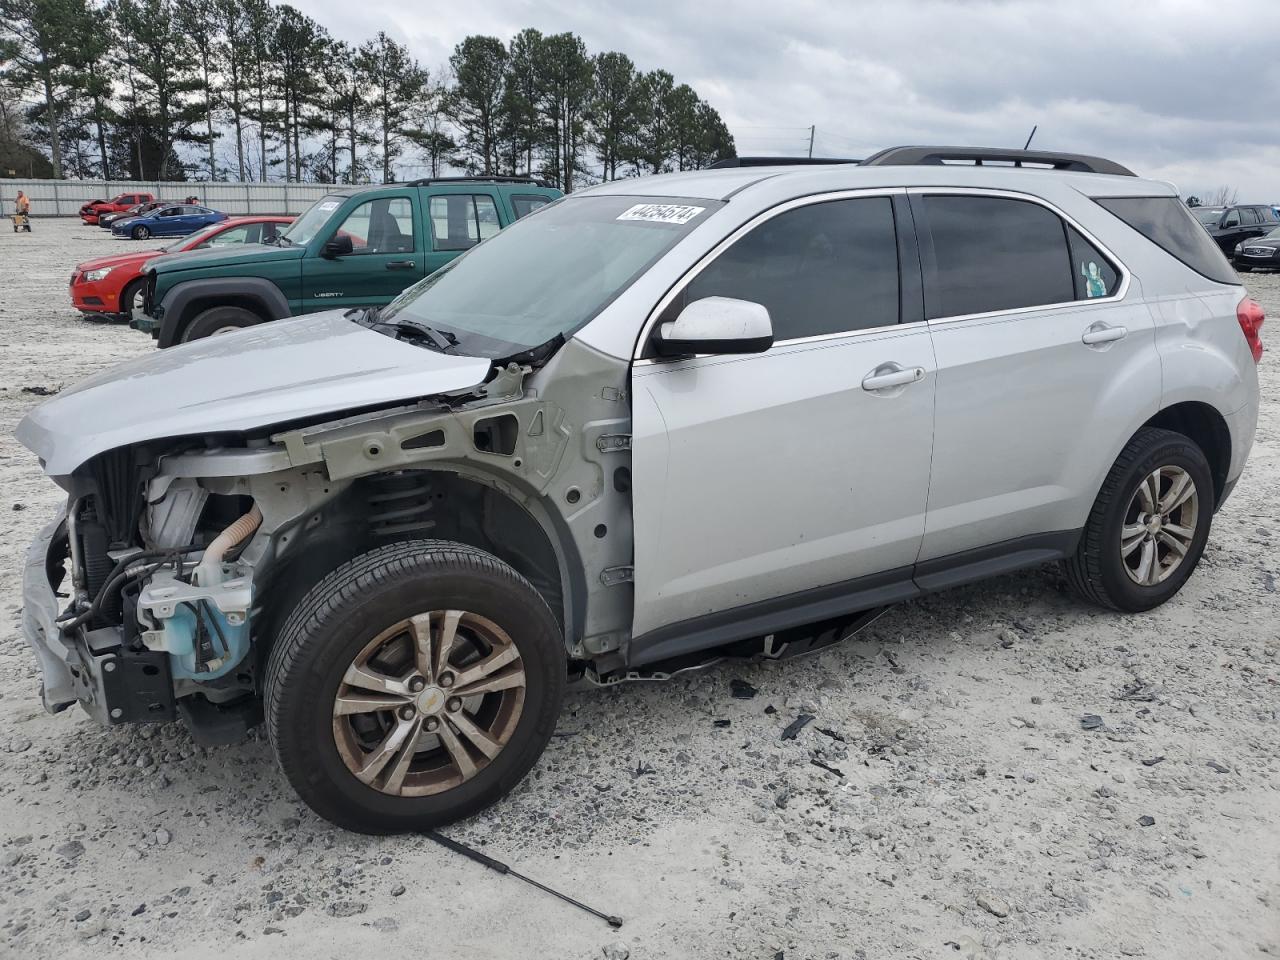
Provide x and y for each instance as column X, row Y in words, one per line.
column 972, row 815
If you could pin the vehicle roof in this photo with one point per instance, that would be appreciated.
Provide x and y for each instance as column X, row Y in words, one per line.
column 449, row 184
column 258, row 218
column 723, row 184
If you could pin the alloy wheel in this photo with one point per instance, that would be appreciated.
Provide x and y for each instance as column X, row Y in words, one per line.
column 428, row 703
column 1159, row 526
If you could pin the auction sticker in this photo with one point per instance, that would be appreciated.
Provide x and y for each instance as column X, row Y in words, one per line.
column 661, row 212
column 328, row 205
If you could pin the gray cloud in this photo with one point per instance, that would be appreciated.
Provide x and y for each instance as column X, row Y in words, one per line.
column 1186, row 90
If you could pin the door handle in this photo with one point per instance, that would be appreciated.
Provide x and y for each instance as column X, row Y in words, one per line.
column 1102, row 333
column 889, row 375
column 400, row 265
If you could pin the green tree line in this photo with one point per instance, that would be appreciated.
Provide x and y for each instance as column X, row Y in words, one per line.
column 247, row 90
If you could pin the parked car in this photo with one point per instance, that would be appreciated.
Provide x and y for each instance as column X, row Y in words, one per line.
column 1230, row 225
column 86, row 208
column 117, row 204
column 662, row 420
column 111, row 287
column 175, row 220
column 1263, row 251
column 354, row 248
column 137, row 210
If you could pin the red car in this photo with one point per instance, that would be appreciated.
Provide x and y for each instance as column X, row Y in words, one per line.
column 111, row 287
column 90, row 211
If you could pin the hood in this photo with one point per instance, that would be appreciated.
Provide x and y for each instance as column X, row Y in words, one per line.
column 119, row 222
column 287, row 370
column 1272, row 242
column 228, row 255
column 118, row 260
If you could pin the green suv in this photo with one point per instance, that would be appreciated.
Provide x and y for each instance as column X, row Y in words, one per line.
column 354, row 248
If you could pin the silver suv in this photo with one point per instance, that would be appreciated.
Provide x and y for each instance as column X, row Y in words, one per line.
column 736, row 410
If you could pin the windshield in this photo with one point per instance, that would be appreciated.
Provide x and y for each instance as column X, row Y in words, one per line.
column 309, row 224
column 546, row 274
column 1209, row 216
column 193, row 240
column 1273, row 235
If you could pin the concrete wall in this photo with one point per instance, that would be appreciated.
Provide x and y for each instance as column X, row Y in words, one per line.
column 62, row 198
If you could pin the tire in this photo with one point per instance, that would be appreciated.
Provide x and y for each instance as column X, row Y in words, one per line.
column 128, row 295
column 1244, row 269
column 141, row 233
column 344, row 616
column 1100, row 571
column 218, row 320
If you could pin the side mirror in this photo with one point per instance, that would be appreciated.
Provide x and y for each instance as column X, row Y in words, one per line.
column 338, row 246
column 716, row 325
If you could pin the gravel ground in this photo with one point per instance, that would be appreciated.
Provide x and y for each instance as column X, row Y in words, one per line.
column 945, row 801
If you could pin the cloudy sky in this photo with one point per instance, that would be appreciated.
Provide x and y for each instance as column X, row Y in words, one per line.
column 1181, row 90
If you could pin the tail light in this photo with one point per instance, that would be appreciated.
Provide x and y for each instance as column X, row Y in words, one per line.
column 1250, row 315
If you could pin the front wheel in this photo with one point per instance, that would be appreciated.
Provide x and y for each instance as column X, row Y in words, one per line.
column 1148, row 526
column 219, row 320
column 1243, row 269
column 131, row 298
column 141, row 233
column 413, row 686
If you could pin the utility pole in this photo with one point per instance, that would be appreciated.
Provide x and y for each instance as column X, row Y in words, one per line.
column 812, row 129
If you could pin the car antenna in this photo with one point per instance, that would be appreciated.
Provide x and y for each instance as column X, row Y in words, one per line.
column 500, row 867
column 1034, row 128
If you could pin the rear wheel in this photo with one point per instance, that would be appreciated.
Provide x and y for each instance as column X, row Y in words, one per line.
column 1148, row 526
column 414, row 685
column 219, row 320
column 141, row 233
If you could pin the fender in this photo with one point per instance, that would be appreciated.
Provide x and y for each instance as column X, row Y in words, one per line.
column 264, row 296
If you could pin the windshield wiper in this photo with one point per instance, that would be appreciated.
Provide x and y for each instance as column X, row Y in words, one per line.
column 442, row 340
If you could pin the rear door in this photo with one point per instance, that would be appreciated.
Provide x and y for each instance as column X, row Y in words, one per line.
column 782, row 477
column 388, row 254
column 458, row 220
column 1039, row 342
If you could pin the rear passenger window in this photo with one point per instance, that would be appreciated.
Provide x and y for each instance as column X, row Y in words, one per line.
column 992, row 253
column 1167, row 223
column 1248, row 216
column 523, row 206
column 1094, row 274
column 824, row 268
column 460, row 221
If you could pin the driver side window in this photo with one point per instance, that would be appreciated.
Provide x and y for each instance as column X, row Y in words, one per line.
column 1232, row 219
column 384, row 225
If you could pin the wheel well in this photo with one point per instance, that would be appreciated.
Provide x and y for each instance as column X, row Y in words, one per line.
column 408, row 505
column 1208, row 430
column 201, row 304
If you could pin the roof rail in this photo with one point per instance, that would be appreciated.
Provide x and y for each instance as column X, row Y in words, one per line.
column 775, row 162
column 979, row 156
column 482, row 178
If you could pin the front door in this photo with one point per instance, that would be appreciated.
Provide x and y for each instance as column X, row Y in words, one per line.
column 764, row 478
column 387, row 256
column 1043, row 346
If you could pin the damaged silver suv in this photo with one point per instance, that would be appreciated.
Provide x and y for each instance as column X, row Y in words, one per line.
column 733, row 410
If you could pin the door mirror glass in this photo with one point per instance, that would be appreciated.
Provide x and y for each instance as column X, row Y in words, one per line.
column 1232, row 219
column 339, row 246
column 716, row 325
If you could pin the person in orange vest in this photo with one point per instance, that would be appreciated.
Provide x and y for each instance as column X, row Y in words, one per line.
column 22, row 204
column 22, row 212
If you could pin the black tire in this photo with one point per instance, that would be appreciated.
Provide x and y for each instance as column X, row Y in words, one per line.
column 1097, row 572
column 219, row 320
column 128, row 295
column 339, row 617
column 141, row 233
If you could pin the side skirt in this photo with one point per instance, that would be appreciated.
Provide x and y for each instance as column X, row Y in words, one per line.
column 848, row 597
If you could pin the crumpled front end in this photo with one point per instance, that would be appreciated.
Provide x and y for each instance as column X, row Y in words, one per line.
column 40, row 609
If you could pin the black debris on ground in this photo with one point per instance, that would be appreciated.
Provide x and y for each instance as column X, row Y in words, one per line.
column 1090, row 721
column 796, row 725
column 741, row 690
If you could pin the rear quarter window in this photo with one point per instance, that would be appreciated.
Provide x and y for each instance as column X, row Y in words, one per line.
column 1166, row 222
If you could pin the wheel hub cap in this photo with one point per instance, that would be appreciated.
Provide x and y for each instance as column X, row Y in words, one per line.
column 428, row 703
column 431, row 701
column 1159, row 526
